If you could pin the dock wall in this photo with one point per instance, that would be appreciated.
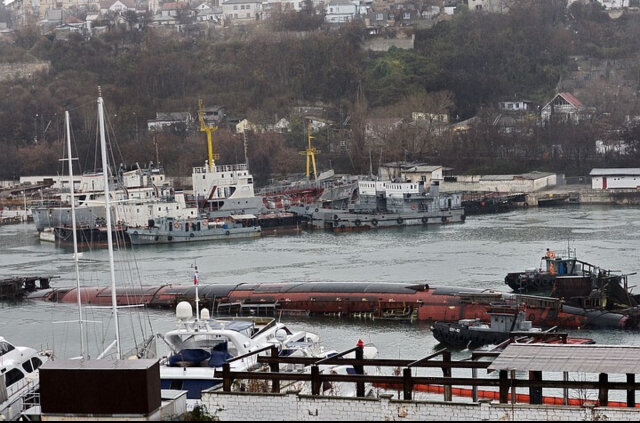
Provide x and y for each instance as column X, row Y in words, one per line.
column 296, row 407
column 621, row 197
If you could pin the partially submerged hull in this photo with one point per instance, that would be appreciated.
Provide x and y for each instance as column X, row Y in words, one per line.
column 377, row 300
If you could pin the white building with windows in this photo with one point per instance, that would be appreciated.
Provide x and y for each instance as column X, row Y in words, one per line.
column 242, row 11
column 621, row 178
column 340, row 11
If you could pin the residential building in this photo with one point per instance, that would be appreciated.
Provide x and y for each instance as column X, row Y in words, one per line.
column 564, row 107
column 516, row 106
column 491, row 6
column 242, row 11
column 170, row 120
column 340, row 11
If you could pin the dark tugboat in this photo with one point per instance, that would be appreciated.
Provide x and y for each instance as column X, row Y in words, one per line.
column 506, row 322
column 552, row 266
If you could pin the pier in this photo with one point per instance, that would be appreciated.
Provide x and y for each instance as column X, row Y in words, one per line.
column 19, row 286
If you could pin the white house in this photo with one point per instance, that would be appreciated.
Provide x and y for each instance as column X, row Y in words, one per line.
column 515, row 106
column 564, row 107
column 621, row 178
column 340, row 11
column 242, row 11
column 117, row 6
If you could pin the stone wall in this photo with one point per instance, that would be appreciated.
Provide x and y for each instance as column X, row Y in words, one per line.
column 296, row 407
column 9, row 71
column 384, row 44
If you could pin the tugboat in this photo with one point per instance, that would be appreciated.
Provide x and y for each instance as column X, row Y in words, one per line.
column 552, row 266
column 505, row 323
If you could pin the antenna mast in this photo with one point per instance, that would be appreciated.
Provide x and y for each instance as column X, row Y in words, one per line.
column 75, row 236
column 105, row 172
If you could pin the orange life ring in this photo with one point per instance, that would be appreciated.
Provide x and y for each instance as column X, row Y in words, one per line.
column 413, row 207
column 205, row 221
column 176, row 225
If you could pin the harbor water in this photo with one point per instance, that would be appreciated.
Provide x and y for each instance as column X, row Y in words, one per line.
column 478, row 253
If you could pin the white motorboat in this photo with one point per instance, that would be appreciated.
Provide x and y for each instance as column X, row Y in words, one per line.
column 18, row 377
column 200, row 346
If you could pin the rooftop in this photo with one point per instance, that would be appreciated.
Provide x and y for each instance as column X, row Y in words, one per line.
column 629, row 171
column 612, row 359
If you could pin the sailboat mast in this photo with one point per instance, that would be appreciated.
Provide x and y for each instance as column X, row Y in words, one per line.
column 105, row 172
column 75, row 236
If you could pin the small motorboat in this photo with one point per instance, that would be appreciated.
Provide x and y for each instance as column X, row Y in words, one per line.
column 19, row 378
column 506, row 321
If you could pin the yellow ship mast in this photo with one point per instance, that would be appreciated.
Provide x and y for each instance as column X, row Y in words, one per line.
column 209, row 129
column 310, row 152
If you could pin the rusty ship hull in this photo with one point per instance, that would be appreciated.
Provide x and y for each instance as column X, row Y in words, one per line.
column 393, row 301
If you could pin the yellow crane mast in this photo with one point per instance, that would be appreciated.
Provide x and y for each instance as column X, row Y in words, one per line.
column 209, row 129
column 310, row 152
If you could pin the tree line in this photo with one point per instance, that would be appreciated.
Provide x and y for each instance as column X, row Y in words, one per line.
column 461, row 67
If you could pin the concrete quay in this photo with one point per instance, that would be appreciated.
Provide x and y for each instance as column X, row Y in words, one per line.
column 582, row 194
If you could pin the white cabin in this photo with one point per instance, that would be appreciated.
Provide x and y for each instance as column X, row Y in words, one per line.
column 224, row 181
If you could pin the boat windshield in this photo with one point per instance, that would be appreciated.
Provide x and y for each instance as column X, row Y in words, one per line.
column 207, row 342
column 5, row 347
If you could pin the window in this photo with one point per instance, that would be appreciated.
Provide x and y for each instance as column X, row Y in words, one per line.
column 235, row 8
column 5, row 347
column 36, row 362
column 13, row 376
column 27, row 366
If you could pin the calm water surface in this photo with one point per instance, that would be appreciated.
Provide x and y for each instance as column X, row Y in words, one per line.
column 477, row 253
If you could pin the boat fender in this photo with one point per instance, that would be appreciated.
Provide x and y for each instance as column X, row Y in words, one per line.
column 425, row 220
column 307, row 208
column 444, row 219
column 156, row 238
column 399, row 220
column 463, row 217
column 525, row 205
column 358, row 222
column 135, row 232
column 169, row 238
column 192, row 235
column 335, row 217
column 227, row 233
column 374, row 222
column 316, row 210
column 176, row 225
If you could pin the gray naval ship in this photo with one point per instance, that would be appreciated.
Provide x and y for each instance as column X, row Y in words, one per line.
column 383, row 204
column 168, row 230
